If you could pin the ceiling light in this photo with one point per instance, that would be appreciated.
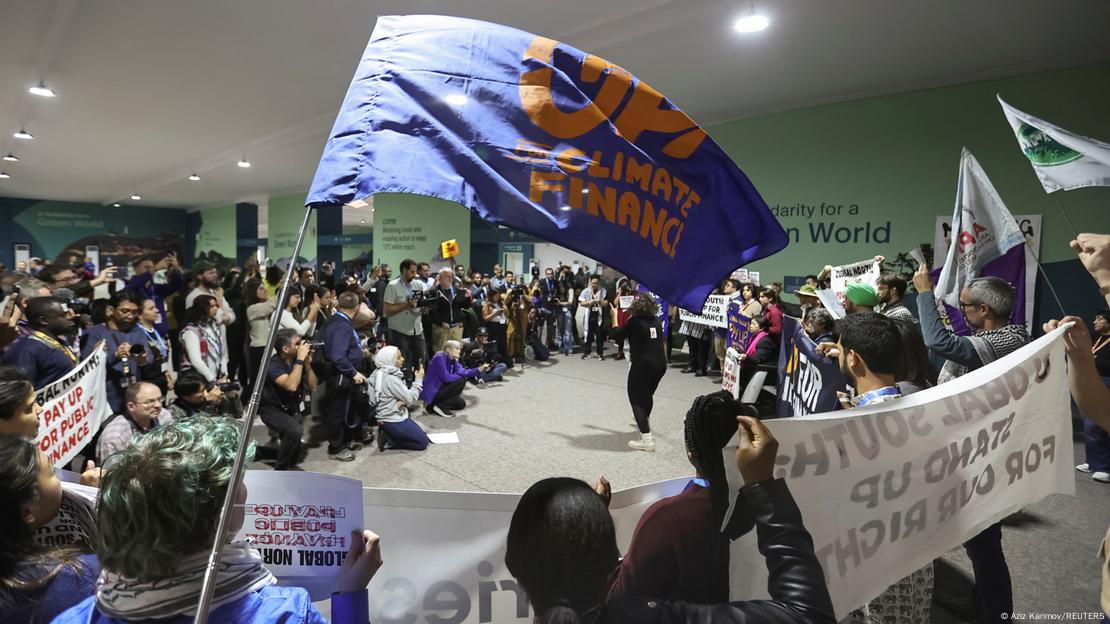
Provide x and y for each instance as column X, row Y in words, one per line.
column 23, row 134
column 363, row 221
column 565, row 208
column 4, row 176
column 115, row 205
column 751, row 23
column 456, row 99
column 136, row 197
column 11, row 158
column 245, row 164
column 194, row 178
column 41, row 90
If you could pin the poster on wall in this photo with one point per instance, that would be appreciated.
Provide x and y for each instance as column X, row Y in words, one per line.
column 216, row 238
column 285, row 216
column 1008, row 267
column 62, row 231
column 410, row 226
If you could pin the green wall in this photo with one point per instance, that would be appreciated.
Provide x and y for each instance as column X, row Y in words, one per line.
column 895, row 159
column 413, row 226
column 216, row 236
column 285, row 216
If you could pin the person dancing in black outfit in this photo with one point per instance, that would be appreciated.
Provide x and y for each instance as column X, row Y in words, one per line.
column 648, row 363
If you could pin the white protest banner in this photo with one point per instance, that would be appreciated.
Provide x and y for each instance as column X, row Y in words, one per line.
column 73, row 408
column 753, row 276
column 445, row 556
column 886, row 489
column 741, row 275
column 832, row 303
column 864, row 272
column 730, row 375
column 714, row 313
column 301, row 522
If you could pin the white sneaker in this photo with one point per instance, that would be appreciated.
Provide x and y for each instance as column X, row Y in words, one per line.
column 1083, row 467
column 645, row 443
column 1101, row 477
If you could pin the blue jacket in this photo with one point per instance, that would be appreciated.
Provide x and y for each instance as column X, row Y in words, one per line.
column 68, row 588
column 442, row 370
column 116, row 366
column 39, row 361
column 342, row 344
column 289, row 605
column 143, row 284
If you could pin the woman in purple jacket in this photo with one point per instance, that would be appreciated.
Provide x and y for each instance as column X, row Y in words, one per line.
column 444, row 380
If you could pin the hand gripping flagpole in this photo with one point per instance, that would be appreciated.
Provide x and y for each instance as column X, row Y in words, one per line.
column 207, row 590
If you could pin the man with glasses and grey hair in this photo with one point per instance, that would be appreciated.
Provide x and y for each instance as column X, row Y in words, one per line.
column 986, row 303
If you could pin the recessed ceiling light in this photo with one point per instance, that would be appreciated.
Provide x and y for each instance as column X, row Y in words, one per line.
column 11, row 158
column 565, row 208
column 194, row 178
column 4, row 176
column 362, row 220
column 136, row 197
column 751, row 23
column 456, row 99
column 245, row 164
column 23, row 134
column 41, row 90
column 115, row 205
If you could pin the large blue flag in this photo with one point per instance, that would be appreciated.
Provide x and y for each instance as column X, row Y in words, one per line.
column 536, row 135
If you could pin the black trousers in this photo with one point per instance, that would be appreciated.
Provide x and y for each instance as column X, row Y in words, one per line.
column 413, row 348
column 992, row 574
column 449, row 395
column 289, row 430
column 642, row 383
column 335, row 407
column 596, row 333
column 499, row 333
column 699, row 352
column 254, row 359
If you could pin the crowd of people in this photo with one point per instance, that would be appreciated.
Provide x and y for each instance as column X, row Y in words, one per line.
column 183, row 348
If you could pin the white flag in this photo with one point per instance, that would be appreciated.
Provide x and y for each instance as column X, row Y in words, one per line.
column 1061, row 159
column 982, row 230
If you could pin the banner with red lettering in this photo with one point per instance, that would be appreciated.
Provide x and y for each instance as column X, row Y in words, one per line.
column 73, row 408
column 301, row 523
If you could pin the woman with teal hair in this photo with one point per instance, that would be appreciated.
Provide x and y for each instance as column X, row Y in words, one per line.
column 159, row 509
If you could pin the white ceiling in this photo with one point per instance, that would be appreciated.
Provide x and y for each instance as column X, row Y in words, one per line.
column 150, row 91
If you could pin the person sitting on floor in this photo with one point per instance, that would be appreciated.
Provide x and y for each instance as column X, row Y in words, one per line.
column 392, row 398
column 160, row 504
column 37, row 582
column 445, row 380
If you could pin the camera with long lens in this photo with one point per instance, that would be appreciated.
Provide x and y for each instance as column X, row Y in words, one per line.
column 315, row 345
column 230, row 386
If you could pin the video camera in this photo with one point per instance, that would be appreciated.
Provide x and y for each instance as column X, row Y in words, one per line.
column 424, row 299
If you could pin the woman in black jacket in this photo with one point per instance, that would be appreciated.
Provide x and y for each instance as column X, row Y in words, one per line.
column 562, row 549
column 648, row 362
column 762, row 350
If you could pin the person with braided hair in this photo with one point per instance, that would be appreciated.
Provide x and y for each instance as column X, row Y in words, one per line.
column 678, row 551
column 648, row 363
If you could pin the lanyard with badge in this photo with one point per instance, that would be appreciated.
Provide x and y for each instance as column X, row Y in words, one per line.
column 52, row 342
column 158, row 345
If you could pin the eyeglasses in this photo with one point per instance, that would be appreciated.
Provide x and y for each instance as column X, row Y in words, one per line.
column 966, row 305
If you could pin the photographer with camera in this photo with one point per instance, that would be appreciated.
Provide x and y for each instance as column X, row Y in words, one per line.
column 289, row 381
column 194, row 395
column 126, row 345
column 448, row 309
column 344, row 384
column 403, row 304
column 481, row 351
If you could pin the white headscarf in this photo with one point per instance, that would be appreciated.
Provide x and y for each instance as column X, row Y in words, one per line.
column 386, row 357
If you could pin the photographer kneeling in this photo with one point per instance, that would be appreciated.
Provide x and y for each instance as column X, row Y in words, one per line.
column 289, row 380
column 481, row 351
column 196, row 396
column 445, row 379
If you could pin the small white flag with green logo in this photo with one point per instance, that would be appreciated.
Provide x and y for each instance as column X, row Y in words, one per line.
column 1061, row 159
